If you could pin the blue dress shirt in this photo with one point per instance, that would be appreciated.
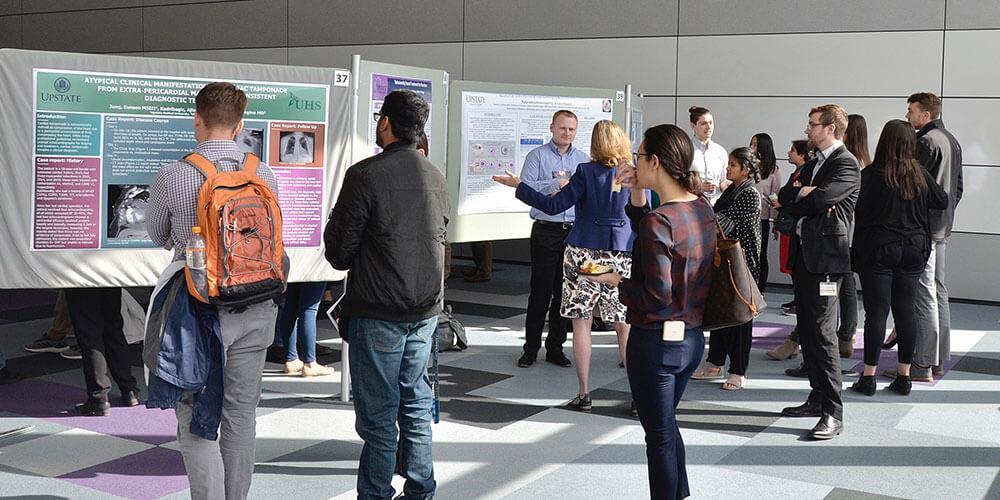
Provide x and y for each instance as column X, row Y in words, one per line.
column 540, row 169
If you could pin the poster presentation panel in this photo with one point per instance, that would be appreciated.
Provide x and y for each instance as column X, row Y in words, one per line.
column 500, row 125
column 376, row 80
column 88, row 142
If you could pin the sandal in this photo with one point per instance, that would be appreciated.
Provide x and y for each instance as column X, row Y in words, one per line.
column 734, row 383
column 708, row 371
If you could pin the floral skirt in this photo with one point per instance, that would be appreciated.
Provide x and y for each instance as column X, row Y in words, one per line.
column 580, row 295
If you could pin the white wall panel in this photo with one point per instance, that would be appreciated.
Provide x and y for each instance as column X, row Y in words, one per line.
column 977, row 212
column 974, row 122
column 972, row 271
column 964, row 73
column 443, row 56
column 863, row 64
column 657, row 110
column 647, row 63
column 257, row 56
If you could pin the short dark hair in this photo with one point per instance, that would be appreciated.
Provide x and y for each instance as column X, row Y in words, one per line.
column 801, row 147
column 220, row 104
column 407, row 113
column 673, row 148
column 928, row 102
column 697, row 112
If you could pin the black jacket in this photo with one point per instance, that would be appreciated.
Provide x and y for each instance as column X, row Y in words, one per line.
column 884, row 217
column 941, row 154
column 388, row 229
column 825, row 241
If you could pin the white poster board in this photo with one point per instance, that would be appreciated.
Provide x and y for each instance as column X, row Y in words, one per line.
column 498, row 124
column 84, row 136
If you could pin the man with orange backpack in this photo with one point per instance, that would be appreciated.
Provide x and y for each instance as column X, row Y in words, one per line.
column 230, row 199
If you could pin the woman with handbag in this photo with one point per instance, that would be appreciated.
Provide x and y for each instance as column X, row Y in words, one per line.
column 892, row 243
column 671, row 270
column 738, row 213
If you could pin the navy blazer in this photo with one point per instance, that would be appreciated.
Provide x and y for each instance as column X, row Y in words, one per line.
column 601, row 223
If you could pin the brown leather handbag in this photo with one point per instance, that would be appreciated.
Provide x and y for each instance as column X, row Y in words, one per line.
column 733, row 296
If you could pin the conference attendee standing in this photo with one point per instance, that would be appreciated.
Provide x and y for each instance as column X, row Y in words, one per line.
column 892, row 243
column 823, row 200
column 601, row 236
column 940, row 153
column 223, row 468
column 547, row 169
column 388, row 229
column 799, row 154
column 665, row 295
column 97, row 320
column 856, row 139
column 710, row 159
column 738, row 213
column 768, row 186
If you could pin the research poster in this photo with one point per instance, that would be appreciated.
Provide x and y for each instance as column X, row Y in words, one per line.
column 100, row 138
column 383, row 85
column 498, row 132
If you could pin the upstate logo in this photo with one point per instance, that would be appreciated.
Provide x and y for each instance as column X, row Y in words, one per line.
column 61, row 85
column 304, row 104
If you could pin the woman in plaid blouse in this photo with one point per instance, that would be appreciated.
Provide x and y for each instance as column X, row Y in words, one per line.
column 665, row 295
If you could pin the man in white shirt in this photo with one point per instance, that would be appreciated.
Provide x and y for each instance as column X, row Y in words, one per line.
column 710, row 158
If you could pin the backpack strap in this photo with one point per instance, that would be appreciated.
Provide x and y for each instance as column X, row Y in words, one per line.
column 202, row 164
column 250, row 163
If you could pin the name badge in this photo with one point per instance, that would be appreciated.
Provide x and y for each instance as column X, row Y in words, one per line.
column 673, row 331
column 828, row 288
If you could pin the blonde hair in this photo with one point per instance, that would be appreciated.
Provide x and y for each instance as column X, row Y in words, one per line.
column 609, row 145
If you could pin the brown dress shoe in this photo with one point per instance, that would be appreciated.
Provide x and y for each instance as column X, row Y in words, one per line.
column 787, row 350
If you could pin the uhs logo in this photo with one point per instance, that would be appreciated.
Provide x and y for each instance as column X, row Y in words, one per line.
column 304, row 104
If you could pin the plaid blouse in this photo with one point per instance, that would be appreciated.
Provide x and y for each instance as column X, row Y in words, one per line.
column 174, row 194
column 671, row 263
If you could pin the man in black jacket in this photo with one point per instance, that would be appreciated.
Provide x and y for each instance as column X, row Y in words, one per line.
column 939, row 152
column 388, row 229
column 823, row 200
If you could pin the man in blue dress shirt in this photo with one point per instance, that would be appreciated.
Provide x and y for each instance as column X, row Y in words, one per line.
column 547, row 169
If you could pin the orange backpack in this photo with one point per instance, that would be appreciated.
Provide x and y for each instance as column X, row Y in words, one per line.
column 240, row 219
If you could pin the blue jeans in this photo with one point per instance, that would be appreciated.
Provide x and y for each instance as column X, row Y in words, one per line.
column 297, row 320
column 658, row 373
column 389, row 369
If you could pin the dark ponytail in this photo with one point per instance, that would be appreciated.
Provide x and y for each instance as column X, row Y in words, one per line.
column 676, row 153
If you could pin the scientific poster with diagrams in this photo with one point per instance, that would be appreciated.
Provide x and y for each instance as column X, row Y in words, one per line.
column 498, row 132
column 100, row 138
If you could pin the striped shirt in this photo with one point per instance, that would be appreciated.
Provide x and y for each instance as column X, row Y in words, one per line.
column 671, row 264
column 174, row 194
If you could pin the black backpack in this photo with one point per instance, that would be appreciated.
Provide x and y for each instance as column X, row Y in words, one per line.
column 451, row 332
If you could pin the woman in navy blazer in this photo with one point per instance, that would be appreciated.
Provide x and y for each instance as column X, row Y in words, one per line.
column 600, row 234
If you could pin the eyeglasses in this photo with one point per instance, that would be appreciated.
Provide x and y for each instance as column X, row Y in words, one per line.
column 376, row 116
column 810, row 125
column 635, row 156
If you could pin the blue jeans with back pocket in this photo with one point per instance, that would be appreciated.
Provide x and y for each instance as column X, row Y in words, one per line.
column 658, row 372
column 389, row 370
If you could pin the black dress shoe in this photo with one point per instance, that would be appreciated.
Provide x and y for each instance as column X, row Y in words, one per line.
column 827, row 428
column 527, row 359
column 865, row 385
column 559, row 359
column 797, row 372
column 807, row 409
column 93, row 408
column 130, row 398
column 902, row 385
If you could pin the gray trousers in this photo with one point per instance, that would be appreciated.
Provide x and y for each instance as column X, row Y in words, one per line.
column 933, row 343
column 223, row 469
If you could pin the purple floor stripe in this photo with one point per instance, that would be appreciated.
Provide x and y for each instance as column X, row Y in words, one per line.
column 153, row 473
column 52, row 402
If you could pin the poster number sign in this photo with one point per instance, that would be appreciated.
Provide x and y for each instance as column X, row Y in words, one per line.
column 341, row 78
